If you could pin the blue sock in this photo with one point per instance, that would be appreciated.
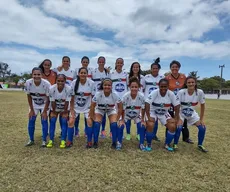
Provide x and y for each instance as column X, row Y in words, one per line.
column 138, row 128
column 201, row 134
column 128, row 126
column 44, row 129
column 113, row 127
column 96, row 130
column 60, row 121
column 31, row 127
column 76, row 125
column 52, row 127
column 120, row 131
column 177, row 134
column 64, row 128
column 142, row 133
column 89, row 133
column 103, row 123
column 155, row 128
column 169, row 137
column 149, row 137
column 70, row 134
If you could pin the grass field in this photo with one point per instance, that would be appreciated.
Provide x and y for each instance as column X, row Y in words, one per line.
column 77, row 169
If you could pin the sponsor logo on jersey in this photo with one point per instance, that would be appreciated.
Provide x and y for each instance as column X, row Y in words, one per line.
column 38, row 101
column 98, row 86
column 132, row 114
column 81, row 101
column 151, row 89
column 119, row 87
column 160, row 111
column 187, row 112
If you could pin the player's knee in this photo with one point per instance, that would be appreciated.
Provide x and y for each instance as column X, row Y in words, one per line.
column 89, row 122
column 171, row 125
column 150, row 126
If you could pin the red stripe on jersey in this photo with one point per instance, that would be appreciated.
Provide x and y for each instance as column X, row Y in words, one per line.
column 89, row 76
column 194, row 104
column 167, row 105
column 69, row 78
column 87, row 94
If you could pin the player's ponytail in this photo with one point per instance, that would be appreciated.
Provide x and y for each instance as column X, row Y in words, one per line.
column 156, row 62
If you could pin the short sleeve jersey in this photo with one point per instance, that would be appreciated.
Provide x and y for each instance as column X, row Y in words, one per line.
column 98, row 76
column 120, row 82
column 60, row 97
column 70, row 75
column 106, row 103
column 188, row 102
column 38, row 93
column 132, row 107
column 150, row 83
column 175, row 84
column 83, row 96
column 160, row 105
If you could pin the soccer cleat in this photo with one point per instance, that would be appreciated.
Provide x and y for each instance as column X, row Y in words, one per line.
column 190, row 141
column 128, row 137
column 148, row 147
column 89, row 145
column 175, row 147
column 103, row 134
column 69, row 144
column 118, row 147
column 43, row 144
column 167, row 147
column 30, row 143
column 138, row 137
column 156, row 139
column 95, row 145
column 142, row 147
column 50, row 144
column 62, row 145
column 201, row 148
column 113, row 146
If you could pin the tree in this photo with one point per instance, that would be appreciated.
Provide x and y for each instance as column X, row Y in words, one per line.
column 4, row 70
column 167, row 73
column 145, row 72
column 15, row 78
column 209, row 84
column 25, row 76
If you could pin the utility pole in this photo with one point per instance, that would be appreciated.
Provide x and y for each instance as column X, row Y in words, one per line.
column 221, row 75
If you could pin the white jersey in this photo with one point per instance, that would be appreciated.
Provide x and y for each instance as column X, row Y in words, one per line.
column 188, row 102
column 70, row 75
column 106, row 103
column 132, row 107
column 160, row 105
column 82, row 99
column 150, row 83
column 120, row 82
column 38, row 93
column 97, row 77
column 90, row 70
column 60, row 97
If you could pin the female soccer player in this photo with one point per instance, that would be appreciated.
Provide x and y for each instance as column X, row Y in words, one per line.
column 106, row 102
column 37, row 90
column 85, row 63
column 47, row 73
column 176, row 82
column 97, row 76
column 189, row 97
column 82, row 91
column 156, row 106
column 65, row 69
column 60, row 95
column 135, row 71
column 151, row 82
column 134, row 108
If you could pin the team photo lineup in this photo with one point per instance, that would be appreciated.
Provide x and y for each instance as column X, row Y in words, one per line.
column 62, row 94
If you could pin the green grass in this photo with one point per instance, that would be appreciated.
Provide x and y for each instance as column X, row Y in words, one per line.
column 104, row 169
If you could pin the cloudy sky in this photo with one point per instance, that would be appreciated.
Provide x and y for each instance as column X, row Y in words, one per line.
column 195, row 32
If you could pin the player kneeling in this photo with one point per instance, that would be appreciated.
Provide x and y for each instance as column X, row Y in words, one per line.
column 105, row 102
column 134, row 108
column 189, row 98
column 156, row 106
column 60, row 95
